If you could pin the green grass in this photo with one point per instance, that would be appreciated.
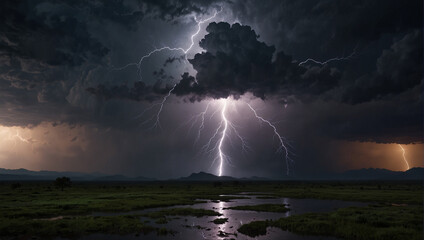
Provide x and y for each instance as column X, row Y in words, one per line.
column 83, row 225
column 162, row 220
column 74, row 226
column 376, row 222
column 220, row 220
column 267, row 197
column 280, row 208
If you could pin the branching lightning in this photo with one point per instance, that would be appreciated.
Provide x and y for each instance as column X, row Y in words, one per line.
column 329, row 60
column 14, row 135
column 157, row 122
column 281, row 139
column 202, row 122
column 185, row 51
column 221, row 135
column 146, row 110
column 404, row 157
column 19, row 137
column 206, row 147
column 221, row 141
column 244, row 145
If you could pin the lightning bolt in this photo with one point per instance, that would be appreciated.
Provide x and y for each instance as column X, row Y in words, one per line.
column 404, row 157
column 201, row 119
column 14, row 135
column 146, row 110
column 157, row 122
column 329, row 60
column 221, row 141
column 185, row 51
column 19, row 137
column 222, row 132
column 244, row 145
column 202, row 122
column 206, row 147
column 280, row 139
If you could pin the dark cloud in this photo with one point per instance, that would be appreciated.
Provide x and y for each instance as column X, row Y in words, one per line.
column 398, row 69
column 52, row 50
column 170, row 9
column 52, row 38
column 398, row 120
column 162, row 76
column 139, row 92
column 236, row 62
column 170, row 60
column 54, row 33
column 324, row 29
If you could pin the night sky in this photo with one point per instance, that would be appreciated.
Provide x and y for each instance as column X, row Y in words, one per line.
column 341, row 81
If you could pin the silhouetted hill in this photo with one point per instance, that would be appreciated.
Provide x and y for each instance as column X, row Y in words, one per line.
column 47, row 175
column 415, row 173
column 363, row 174
column 15, row 177
column 208, row 177
column 382, row 174
column 202, row 176
column 371, row 173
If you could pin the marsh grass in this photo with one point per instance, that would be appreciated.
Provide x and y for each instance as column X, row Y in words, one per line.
column 375, row 222
column 74, row 226
column 22, row 207
column 220, row 220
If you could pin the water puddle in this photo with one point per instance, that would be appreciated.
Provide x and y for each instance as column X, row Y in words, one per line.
column 204, row 228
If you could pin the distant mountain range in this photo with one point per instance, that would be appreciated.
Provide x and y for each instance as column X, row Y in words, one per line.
column 27, row 175
column 360, row 175
column 202, row 176
column 416, row 173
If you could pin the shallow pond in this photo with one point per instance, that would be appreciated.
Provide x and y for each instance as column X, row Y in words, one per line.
column 204, row 228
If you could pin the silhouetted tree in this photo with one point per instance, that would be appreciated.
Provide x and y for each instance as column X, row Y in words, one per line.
column 62, row 182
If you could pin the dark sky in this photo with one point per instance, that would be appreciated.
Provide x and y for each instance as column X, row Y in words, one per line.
column 74, row 95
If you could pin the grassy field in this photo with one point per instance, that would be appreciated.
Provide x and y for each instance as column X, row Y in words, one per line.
column 26, row 209
column 375, row 222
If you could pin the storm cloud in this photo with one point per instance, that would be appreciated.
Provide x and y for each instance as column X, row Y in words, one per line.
column 72, row 67
column 236, row 62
